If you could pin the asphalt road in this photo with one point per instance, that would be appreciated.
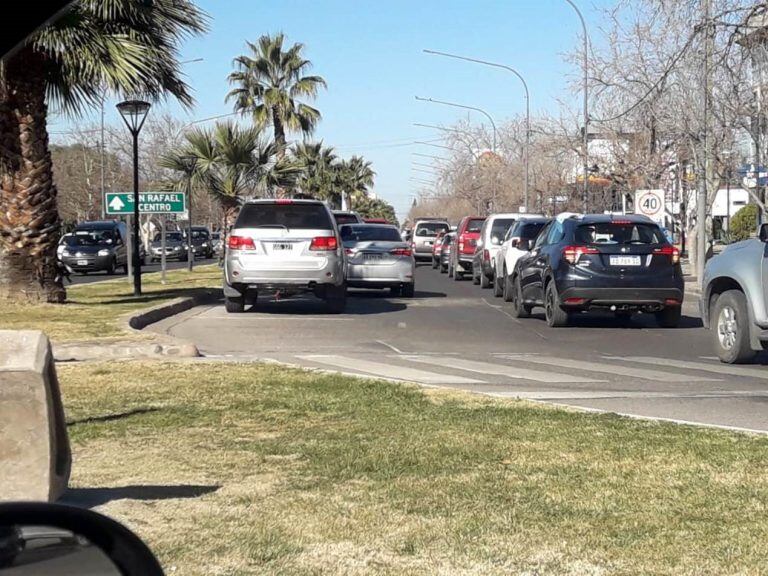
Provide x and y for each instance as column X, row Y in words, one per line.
column 146, row 269
column 455, row 335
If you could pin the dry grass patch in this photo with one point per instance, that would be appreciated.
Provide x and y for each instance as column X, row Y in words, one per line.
column 92, row 310
column 234, row 469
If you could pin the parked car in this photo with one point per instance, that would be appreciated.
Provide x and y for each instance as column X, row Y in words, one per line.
column 201, row 241
column 96, row 246
column 347, row 217
column 448, row 242
column 467, row 234
column 519, row 237
column 734, row 299
column 492, row 234
column 377, row 257
column 288, row 245
column 425, row 230
column 217, row 241
column 175, row 247
column 437, row 247
column 583, row 262
column 62, row 245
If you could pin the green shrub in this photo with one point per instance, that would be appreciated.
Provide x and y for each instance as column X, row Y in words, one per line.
column 744, row 223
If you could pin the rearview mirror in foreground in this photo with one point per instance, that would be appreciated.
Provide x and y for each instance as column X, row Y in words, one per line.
column 40, row 538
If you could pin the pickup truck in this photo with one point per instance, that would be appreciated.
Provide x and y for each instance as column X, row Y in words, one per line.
column 734, row 299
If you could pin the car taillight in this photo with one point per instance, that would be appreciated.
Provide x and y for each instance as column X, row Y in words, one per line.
column 401, row 252
column 461, row 245
column 324, row 243
column 671, row 251
column 486, row 256
column 241, row 243
column 283, row 201
column 348, row 251
column 573, row 253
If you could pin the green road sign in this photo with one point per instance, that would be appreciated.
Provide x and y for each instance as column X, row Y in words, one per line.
column 149, row 202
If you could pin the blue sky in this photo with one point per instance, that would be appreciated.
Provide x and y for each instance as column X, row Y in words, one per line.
column 370, row 53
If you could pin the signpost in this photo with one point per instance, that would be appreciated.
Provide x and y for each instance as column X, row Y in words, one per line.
column 118, row 203
column 650, row 203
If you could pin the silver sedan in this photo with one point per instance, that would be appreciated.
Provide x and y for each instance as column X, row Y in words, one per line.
column 377, row 257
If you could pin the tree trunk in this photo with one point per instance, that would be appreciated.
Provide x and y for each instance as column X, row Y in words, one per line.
column 29, row 218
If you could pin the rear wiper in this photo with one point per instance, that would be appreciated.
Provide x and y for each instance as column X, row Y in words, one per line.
column 273, row 226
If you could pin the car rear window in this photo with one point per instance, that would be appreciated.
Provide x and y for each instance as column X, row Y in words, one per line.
column 474, row 224
column 431, row 228
column 368, row 233
column 500, row 226
column 345, row 219
column 619, row 233
column 531, row 230
column 292, row 216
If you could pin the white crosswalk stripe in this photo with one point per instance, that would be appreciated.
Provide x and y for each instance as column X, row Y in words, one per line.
column 727, row 369
column 616, row 369
column 515, row 372
column 388, row 370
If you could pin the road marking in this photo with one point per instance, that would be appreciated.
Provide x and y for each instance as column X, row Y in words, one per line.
column 500, row 369
column 614, row 369
column 390, row 346
column 726, row 369
column 388, row 370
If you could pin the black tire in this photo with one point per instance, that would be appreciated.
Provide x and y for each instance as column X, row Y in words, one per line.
column 435, row 263
column 234, row 305
column 336, row 298
column 623, row 317
column 450, row 271
column 395, row 291
column 475, row 276
column 498, row 284
column 443, row 268
column 555, row 315
column 125, row 268
column 730, row 328
column 519, row 310
column 508, row 289
column 408, row 290
column 485, row 282
column 112, row 267
column 669, row 317
column 458, row 276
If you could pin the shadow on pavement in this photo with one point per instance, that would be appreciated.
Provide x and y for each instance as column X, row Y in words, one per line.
column 638, row 321
column 311, row 306
column 92, row 497
column 112, row 417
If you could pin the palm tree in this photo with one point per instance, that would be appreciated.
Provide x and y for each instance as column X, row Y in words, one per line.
column 232, row 163
column 128, row 46
column 358, row 178
column 317, row 164
column 269, row 84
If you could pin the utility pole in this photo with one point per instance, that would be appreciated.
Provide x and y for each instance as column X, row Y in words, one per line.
column 703, row 193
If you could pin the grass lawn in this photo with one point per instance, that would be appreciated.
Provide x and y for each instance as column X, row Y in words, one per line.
column 92, row 310
column 232, row 469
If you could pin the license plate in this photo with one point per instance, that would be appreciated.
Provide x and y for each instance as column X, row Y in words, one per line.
column 282, row 246
column 625, row 260
column 373, row 256
column 82, row 262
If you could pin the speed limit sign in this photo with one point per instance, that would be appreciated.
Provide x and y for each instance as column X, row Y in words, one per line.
column 650, row 203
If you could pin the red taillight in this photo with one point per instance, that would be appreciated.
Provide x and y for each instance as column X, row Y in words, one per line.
column 241, row 243
column 622, row 222
column 574, row 301
column 573, row 253
column 348, row 251
column 671, row 251
column 486, row 256
column 283, row 201
column 324, row 243
column 461, row 245
column 672, row 302
column 401, row 252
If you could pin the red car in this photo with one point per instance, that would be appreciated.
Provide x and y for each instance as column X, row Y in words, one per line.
column 467, row 234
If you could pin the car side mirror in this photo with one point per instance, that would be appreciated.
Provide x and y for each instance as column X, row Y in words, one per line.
column 41, row 538
column 764, row 232
column 515, row 243
column 524, row 245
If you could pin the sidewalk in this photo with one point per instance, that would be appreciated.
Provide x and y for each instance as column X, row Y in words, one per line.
column 692, row 286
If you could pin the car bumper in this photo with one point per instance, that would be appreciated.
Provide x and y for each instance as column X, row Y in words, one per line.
column 323, row 270
column 157, row 254
column 87, row 263
column 361, row 275
column 632, row 297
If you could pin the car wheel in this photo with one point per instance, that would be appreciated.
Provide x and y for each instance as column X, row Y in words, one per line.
column 112, row 267
column 408, row 290
column 336, row 298
column 125, row 268
column 458, row 276
column 485, row 282
column 498, row 284
column 434, row 263
column 450, row 271
column 234, row 305
column 395, row 291
column 476, row 276
column 731, row 328
column 555, row 315
column 519, row 310
column 669, row 317
column 443, row 268
column 508, row 289
column 623, row 317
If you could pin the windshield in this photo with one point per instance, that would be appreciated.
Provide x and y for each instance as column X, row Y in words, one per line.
column 200, row 234
column 619, row 233
column 500, row 226
column 170, row 236
column 94, row 237
column 369, row 233
column 345, row 218
column 475, row 224
column 290, row 216
column 431, row 228
column 530, row 230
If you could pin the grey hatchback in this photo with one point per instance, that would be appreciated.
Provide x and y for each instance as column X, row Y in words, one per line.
column 290, row 246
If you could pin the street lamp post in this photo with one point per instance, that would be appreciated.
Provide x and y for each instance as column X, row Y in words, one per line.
column 134, row 113
column 465, row 107
column 189, row 162
column 527, row 111
column 585, row 144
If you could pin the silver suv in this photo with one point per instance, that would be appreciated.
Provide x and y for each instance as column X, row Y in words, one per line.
column 290, row 246
column 425, row 232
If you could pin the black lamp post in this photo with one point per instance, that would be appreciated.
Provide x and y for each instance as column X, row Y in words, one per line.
column 134, row 113
column 189, row 162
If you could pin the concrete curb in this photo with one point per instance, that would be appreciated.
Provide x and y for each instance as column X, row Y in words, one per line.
column 134, row 322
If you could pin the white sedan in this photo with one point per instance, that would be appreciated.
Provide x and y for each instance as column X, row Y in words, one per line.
column 517, row 242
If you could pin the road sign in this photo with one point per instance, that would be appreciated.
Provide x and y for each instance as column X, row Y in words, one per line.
column 149, row 202
column 650, row 203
